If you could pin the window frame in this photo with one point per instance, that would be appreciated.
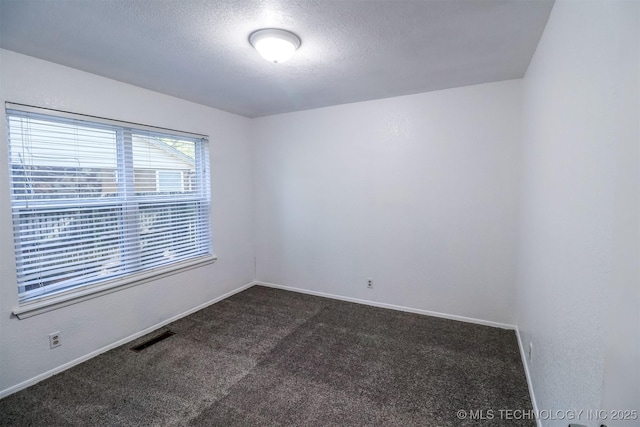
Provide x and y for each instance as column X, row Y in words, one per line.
column 28, row 307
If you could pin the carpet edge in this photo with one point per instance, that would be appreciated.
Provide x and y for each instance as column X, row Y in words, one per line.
column 32, row 381
column 389, row 306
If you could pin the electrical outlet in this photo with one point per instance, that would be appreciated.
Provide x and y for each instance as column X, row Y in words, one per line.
column 54, row 340
column 370, row 283
column 530, row 351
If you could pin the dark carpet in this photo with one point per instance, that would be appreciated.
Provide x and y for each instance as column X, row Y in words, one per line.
column 267, row 357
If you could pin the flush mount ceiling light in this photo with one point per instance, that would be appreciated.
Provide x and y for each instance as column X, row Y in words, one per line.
column 274, row 45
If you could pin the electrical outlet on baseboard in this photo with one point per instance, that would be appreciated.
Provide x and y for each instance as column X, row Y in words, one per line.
column 370, row 283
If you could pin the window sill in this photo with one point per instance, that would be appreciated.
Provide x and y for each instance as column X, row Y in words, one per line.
column 54, row 302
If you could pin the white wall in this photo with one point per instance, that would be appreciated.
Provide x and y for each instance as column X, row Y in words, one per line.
column 91, row 325
column 417, row 192
column 578, row 299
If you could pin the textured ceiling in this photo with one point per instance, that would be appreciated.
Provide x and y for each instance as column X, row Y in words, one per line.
column 351, row 50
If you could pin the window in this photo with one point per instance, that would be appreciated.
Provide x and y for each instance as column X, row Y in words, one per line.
column 169, row 180
column 97, row 202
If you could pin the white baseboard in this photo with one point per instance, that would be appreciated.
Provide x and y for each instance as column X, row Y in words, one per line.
column 525, row 364
column 64, row 367
column 390, row 306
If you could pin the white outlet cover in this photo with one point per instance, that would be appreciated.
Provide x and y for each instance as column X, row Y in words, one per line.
column 54, row 340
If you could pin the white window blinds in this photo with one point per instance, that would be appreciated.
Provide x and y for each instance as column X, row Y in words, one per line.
column 97, row 201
